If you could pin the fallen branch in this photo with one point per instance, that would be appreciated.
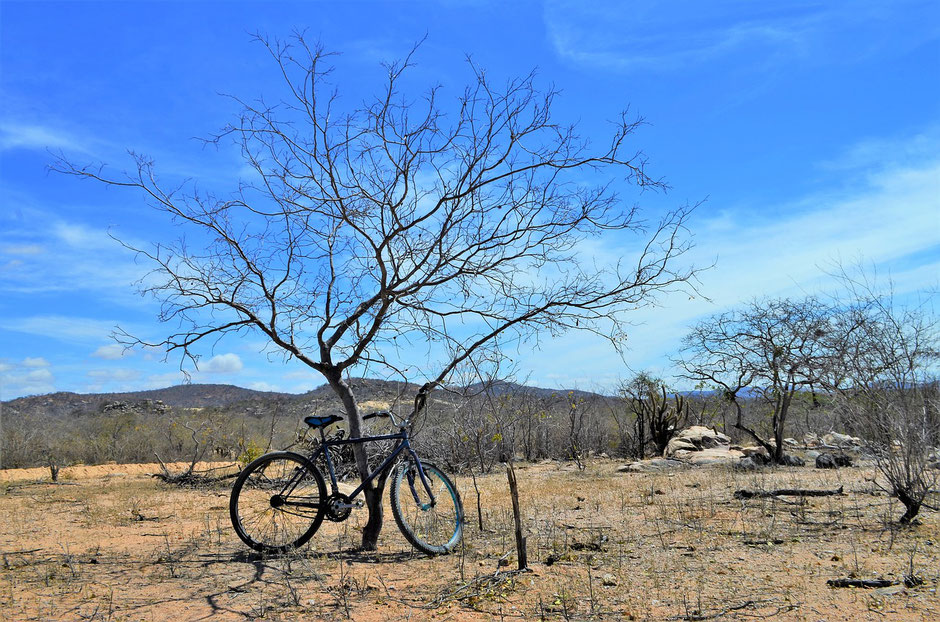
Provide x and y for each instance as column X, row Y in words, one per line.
column 744, row 493
column 866, row 583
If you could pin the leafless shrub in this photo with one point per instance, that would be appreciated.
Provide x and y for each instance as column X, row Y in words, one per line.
column 884, row 374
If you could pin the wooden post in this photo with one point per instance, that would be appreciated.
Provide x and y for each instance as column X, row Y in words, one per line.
column 517, row 518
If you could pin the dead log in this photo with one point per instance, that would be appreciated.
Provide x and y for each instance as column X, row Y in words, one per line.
column 744, row 493
column 866, row 583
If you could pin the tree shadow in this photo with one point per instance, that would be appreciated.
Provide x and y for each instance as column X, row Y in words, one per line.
column 354, row 555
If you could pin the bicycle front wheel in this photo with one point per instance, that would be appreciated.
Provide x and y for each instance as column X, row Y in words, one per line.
column 277, row 502
column 432, row 525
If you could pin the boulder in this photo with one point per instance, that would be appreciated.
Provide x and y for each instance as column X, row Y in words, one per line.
column 791, row 442
column 791, row 460
column 696, row 438
column 714, row 456
column 654, row 465
column 833, row 461
column 841, row 440
column 678, row 444
column 747, row 464
column 811, row 440
column 758, row 454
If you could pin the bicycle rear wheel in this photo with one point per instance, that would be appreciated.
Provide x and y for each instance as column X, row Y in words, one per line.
column 434, row 527
column 277, row 502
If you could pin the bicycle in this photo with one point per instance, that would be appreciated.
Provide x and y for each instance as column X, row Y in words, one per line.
column 279, row 500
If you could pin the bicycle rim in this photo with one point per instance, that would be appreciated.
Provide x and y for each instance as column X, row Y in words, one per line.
column 276, row 502
column 433, row 528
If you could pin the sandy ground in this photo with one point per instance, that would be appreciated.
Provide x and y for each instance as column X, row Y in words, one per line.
column 113, row 543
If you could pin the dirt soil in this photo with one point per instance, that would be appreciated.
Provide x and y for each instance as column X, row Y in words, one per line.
column 114, row 543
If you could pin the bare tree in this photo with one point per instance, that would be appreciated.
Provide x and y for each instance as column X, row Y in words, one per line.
column 773, row 348
column 884, row 376
column 452, row 221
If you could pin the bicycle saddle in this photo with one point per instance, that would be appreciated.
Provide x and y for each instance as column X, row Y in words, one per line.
column 321, row 422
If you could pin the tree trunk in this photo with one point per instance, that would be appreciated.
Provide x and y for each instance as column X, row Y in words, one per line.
column 370, row 533
column 373, row 491
column 912, row 507
column 780, row 418
column 740, row 425
column 521, row 554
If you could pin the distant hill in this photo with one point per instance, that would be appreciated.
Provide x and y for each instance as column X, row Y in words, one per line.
column 199, row 395
column 182, row 396
column 230, row 396
column 501, row 387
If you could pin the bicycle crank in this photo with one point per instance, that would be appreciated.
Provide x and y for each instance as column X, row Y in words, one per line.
column 339, row 506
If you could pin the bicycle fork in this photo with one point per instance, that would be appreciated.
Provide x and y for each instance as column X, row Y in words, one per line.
column 427, row 486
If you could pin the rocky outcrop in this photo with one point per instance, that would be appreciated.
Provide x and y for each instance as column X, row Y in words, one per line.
column 701, row 446
column 696, row 438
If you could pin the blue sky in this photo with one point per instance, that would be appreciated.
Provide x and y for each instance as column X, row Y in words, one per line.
column 811, row 128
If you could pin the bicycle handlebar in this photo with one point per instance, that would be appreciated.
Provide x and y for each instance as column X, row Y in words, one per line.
column 379, row 413
column 388, row 414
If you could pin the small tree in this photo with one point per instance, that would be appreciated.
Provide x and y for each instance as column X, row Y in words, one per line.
column 453, row 221
column 884, row 377
column 772, row 348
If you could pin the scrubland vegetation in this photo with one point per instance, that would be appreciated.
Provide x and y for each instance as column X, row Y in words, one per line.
column 120, row 545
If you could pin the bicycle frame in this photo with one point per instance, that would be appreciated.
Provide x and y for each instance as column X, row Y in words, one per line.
column 403, row 445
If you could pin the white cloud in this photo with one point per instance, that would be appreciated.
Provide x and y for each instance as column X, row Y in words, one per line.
column 36, row 137
column 264, row 386
column 35, row 362
column 222, row 364
column 168, row 379
column 65, row 328
column 86, row 259
column 24, row 380
column 113, row 375
column 22, row 249
column 110, row 352
column 674, row 35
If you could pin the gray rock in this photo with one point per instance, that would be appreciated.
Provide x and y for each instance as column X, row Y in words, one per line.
column 791, row 460
column 758, row 454
column 747, row 464
column 653, row 465
column 833, row 461
column 716, row 456
column 696, row 438
column 841, row 440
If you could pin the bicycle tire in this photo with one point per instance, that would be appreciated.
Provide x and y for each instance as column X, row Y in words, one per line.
column 262, row 506
column 437, row 529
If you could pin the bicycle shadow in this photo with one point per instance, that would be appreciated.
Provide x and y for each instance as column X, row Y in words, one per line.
column 360, row 556
column 350, row 555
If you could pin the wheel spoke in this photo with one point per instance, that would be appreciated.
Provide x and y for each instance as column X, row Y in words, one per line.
column 276, row 502
column 434, row 528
